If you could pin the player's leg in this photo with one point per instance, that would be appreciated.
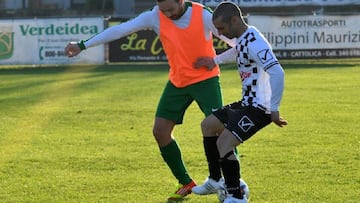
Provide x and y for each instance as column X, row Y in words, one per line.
column 211, row 127
column 229, row 163
column 162, row 131
column 241, row 124
column 170, row 151
column 170, row 111
column 208, row 96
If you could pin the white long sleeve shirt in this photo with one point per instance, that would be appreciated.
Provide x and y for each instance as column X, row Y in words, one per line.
column 150, row 20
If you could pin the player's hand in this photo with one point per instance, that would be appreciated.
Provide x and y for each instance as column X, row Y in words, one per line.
column 279, row 121
column 208, row 62
column 72, row 49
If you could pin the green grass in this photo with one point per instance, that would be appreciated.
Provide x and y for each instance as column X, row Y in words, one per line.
column 84, row 134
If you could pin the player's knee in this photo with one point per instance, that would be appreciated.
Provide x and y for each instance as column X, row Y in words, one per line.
column 211, row 127
column 157, row 133
column 161, row 138
column 223, row 146
column 162, row 135
column 205, row 127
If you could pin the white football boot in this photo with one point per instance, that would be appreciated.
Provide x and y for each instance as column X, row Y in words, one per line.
column 222, row 193
column 210, row 186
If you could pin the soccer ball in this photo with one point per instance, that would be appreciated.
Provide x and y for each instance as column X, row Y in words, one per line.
column 222, row 192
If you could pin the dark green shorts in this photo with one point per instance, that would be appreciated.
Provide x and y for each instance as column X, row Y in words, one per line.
column 174, row 101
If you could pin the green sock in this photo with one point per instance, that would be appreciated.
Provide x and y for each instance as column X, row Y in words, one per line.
column 171, row 154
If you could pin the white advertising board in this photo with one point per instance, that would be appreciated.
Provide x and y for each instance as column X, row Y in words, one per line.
column 42, row 41
column 311, row 36
column 273, row 3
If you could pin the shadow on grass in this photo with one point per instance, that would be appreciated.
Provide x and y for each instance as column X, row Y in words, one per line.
column 163, row 67
column 107, row 68
column 177, row 201
column 321, row 63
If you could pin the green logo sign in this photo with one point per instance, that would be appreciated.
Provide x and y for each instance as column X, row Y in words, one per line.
column 6, row 42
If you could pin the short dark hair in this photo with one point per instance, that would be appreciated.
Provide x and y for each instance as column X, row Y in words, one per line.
column 227, row 10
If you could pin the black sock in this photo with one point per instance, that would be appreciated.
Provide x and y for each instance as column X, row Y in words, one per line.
column 231, row 171
column 212, row 156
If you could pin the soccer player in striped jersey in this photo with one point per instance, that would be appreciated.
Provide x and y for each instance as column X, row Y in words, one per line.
column 185, row 30
column 262, row 80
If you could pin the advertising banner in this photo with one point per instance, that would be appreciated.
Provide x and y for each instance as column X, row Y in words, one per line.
column 42, row 41
column 311, row 36
column 140, row 46
column 273, row 3
column 145, row 46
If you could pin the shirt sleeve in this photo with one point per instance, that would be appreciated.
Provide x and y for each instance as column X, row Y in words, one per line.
column 227, row 56
column 277, row 76
column 143, row 21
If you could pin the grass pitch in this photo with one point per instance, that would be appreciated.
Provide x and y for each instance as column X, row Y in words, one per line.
column 83, row 134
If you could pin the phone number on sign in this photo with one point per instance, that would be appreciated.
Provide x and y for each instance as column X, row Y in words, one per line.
column 45, row 53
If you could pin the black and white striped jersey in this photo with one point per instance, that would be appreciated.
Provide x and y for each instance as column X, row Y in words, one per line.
column 260, row 72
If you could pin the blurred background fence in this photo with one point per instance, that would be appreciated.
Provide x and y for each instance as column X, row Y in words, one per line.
column 36, row 31
column 131, row 8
